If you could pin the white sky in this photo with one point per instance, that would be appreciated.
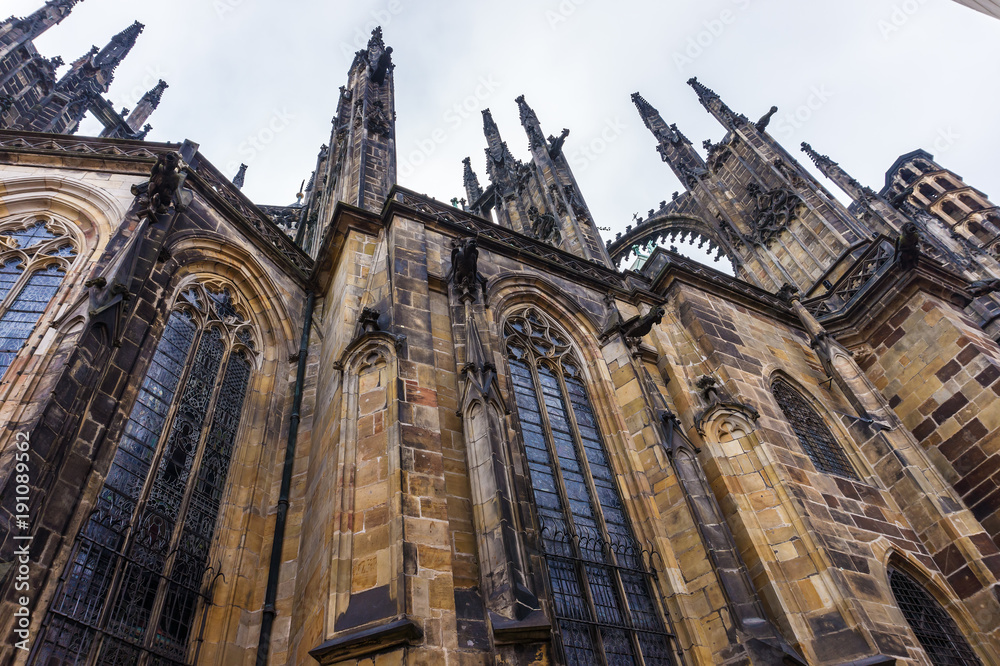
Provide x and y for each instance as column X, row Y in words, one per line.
column 883, row 77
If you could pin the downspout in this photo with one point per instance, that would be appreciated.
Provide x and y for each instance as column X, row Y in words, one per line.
column 271, row 591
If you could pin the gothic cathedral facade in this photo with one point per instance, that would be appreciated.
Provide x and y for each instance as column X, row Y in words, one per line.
column 373, row 428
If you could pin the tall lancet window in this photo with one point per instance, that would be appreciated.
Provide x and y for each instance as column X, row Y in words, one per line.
column 34, row 256
column 600, row 584
column 816, row 439
column 139, row 566
column 933, row 627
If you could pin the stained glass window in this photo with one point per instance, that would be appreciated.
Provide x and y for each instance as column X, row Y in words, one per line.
column 601, row 585
column 938, row 635
column 816, row 439
column 30, row 276
column 137, row 571
column 20, row 316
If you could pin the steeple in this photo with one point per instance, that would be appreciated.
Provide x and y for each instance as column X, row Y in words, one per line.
column 473, row 190
column 674, row 147
column 360, row 166
column 146, row 105
column 714, row 104
column 112, row 55
column 15, row 32
column 530, row 123
column 834, row 172
column 501, row 167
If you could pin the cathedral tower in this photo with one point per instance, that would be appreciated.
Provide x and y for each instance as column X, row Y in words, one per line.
column 359, row 165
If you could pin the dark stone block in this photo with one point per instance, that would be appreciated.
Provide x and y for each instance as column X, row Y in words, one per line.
column 958, row 443
column 988, row 375
column 949, row 408
column 949, row 370
column 967, row 354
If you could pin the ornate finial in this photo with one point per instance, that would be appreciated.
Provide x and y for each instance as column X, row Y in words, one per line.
column 471, row 181
column 765, row 120
column 156, row 93
column 530, row 123
column 240, row 177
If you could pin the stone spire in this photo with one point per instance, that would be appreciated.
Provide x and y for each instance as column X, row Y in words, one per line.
column 473, row 190
column 674, row 147
column 17, row 31
column 359, row 167
column 530, row 123
column 146, row 106
column 714, row 104
column 112, row 55
column 501, row 167
column 834, row 172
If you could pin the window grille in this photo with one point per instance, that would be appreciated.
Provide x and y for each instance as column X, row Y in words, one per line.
column 938, row 635
column 602, row 586
column 816, row 439
column 139, row 566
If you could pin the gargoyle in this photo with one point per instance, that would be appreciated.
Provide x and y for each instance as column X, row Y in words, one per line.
column 464, row 267
column 165, row 185
column 983, row 287
column 640, row 326
column 908, row 246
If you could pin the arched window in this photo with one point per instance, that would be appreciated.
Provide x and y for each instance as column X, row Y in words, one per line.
column 601, row 588
column 942, row 641
column 34, row 256
column 816, row 439
column 138, row 566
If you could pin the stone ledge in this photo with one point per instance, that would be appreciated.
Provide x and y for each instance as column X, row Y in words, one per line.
column 877, row 660
column 535, row 627
column 368, row 640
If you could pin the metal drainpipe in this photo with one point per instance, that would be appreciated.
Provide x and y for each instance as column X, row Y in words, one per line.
column 271, row 591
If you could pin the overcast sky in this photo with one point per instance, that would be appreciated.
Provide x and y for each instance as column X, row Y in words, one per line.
column 257, row 81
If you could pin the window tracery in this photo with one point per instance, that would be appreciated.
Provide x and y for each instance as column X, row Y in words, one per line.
column 601, row 586
column 138, row 568
column 34, row 256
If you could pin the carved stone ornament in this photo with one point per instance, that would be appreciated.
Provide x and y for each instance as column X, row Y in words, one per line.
column 165, row 186
column 773, row 211
column 543, row 226
column 464, row 273
column 725, row 418
column 377, row 121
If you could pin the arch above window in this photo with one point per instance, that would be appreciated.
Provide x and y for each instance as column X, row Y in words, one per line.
column 937, row 632
column 815, row 437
